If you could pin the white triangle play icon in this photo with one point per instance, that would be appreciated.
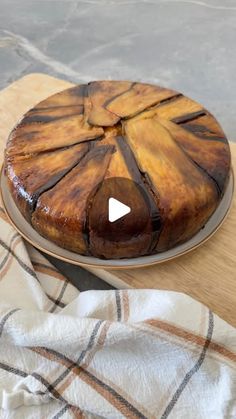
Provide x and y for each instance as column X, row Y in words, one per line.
column 116, row 209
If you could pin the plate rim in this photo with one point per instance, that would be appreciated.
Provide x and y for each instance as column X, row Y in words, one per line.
column 109, row 266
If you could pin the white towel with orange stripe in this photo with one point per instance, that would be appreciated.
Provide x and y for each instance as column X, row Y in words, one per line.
column 106, row 354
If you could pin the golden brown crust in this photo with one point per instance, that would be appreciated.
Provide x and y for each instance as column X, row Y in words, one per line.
column 28, row 178
column 122, row 166
column 64, row 221
column 52, row 114
column 74, row 96
column 208, row 150
column 99, row 93
column 39, row 137
column 137, row 99
column 71, row 146
column 184, row 192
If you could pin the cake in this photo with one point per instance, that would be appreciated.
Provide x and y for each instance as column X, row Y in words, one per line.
column 166, row 155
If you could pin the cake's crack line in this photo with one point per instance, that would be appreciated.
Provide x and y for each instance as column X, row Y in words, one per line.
column 201, row 132
column 203, row 170
column 157, row 222
column 104, row 106
column 189, row 117
column 86, row 227
column 32, row 155
column 110, row 100
column 48, row 108
column 154, row 106
column 51, row 184
column 218, row 189
column 71, row 91
column 29, row 156
column 24, row 122
column 44, row 119
column 169, row 99
column 144, row 179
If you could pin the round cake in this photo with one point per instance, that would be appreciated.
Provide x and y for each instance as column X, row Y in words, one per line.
column 158, row 152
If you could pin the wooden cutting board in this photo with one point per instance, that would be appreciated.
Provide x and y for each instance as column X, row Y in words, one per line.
column 208, row 274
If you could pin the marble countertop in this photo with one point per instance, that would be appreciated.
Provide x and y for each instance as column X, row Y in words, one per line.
column 188, row 45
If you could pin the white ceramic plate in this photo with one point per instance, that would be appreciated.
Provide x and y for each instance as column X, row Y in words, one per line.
column 27, row 231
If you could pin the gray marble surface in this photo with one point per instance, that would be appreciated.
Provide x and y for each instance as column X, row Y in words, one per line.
column 188, row 45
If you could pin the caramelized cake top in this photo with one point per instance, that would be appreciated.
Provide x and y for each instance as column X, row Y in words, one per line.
column 161, row 152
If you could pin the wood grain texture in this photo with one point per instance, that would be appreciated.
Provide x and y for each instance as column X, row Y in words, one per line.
column 208, row 274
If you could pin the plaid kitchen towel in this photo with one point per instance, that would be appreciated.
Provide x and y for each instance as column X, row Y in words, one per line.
column 105, row 354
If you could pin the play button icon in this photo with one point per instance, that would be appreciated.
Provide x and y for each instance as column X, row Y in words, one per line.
column 117, row 210
column 121, row 215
